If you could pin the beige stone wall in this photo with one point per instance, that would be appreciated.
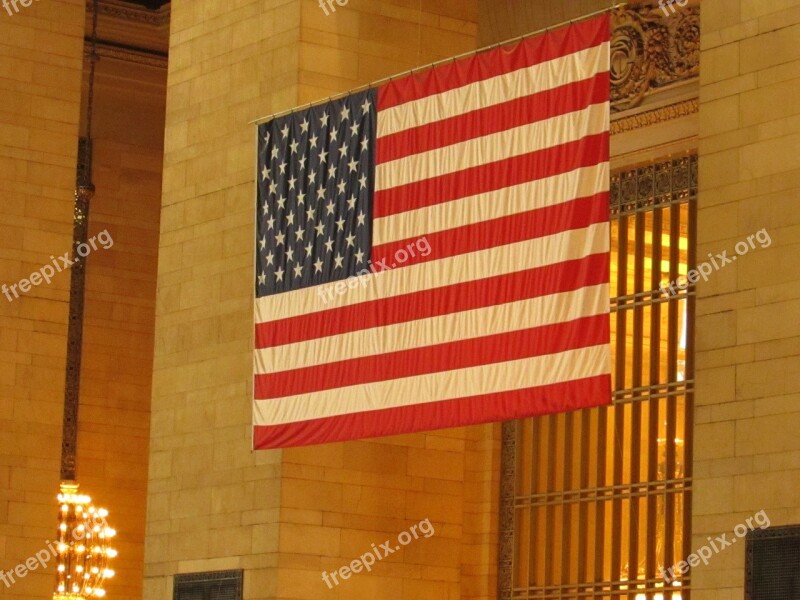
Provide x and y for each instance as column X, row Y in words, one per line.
column 212, row 504
column 500, row 21
column 747, row 447
column 286, row 516
column 40, row 84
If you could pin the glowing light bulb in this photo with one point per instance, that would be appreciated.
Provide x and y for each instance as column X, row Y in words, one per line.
column 61, row 568
column 99, row 593
column 102, row 512
column 110, row 532
column 111, row 553
column 109, row 573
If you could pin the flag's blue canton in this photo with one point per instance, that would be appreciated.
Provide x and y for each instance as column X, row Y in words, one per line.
column 314, row 210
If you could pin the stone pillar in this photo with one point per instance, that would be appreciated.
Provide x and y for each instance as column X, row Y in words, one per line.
column 284, row 517
column 747, row 447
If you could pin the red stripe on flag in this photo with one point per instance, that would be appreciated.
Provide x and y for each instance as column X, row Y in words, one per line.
column 521, row 285
column 528, row 225
column 493, row 119
column 474, row 352
column 528, row 52
column 586, row 152
column 504, row 406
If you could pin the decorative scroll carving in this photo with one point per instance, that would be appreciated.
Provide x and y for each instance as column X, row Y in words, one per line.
column 650, row 50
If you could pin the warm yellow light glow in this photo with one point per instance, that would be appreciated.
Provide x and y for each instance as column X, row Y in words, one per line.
column 81, row 546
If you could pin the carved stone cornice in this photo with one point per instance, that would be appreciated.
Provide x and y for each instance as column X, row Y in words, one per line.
column 655, row 116
column 116, row 9
column 132, row 55
column 650, row 51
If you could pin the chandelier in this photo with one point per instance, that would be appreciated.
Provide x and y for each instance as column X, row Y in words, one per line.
column 83, row 552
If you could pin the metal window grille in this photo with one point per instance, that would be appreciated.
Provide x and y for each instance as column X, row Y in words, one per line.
column 596, row 502
column 773, row 564
column 213, row 585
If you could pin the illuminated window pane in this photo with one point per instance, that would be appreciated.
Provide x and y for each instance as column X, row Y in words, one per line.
column 601, row 496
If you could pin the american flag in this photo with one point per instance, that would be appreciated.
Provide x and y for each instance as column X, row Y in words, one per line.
column 434, row 252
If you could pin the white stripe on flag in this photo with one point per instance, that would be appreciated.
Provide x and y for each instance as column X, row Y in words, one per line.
column 458, row 383
column 499, row 260
column 476, row 152
column 469, row 324
column 541, row 193
column 495, row 90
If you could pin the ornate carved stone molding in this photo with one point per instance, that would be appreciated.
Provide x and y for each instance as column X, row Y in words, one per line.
column 141, row 57
column 117, row 9
column 655, row 116
column 650, row 51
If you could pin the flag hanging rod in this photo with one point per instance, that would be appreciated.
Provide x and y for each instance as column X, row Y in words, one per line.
column 374, row 84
